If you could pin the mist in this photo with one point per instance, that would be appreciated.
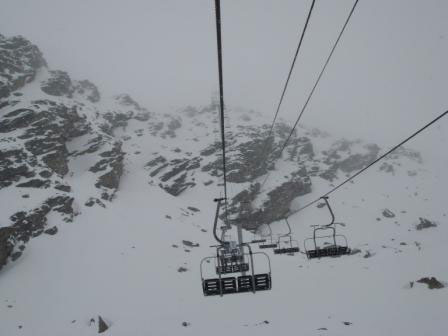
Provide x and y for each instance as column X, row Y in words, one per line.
column 387, row 78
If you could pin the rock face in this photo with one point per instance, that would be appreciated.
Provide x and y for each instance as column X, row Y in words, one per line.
column 59, row 135
column 6, row 244
column 425, row 224
column 59, row 84
column 19, row 62
column 432, row 282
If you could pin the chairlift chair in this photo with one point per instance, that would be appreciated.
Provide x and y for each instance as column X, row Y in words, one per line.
column 271, row 243
column 287, row 245
column 338, row 245
column 228, row 261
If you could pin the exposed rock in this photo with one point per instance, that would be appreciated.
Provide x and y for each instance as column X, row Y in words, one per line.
column 425, row 224
column 63, row 187
column 52, row 231
column 388, row 214
column 87, row 89
column 32, row 224
column 35, row 183
column 193, row 209
column 92, row 201
column 274, row 208
column 7, row 242
column 102, row 326
column 432, row 282
column 19, row 62
column 182, row 269
column 16, row 255
column 189, row 243
column 112, row 164
column 59, row 84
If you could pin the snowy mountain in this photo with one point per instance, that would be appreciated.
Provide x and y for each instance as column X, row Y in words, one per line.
column 107, row 211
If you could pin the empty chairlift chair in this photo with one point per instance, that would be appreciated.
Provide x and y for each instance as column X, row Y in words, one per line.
column 268, row 243
column 287, row 245
column 228, row 261
column 326, row 245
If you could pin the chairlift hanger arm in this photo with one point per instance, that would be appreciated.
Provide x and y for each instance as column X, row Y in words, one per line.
column 218, row 206
column 325, row 198
column 289, row 230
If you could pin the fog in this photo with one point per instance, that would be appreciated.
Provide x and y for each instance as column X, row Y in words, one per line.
column 387, row 77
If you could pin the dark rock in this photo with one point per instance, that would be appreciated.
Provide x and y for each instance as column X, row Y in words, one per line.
column 185, row 324
column 87, row 89
column 59, row 84
column 35, row 183
column 347, row 323
column 52, row 231
column 274, row 208
column 388, row 214
column 182, row 269
column 102, row 326
column 7, row 242
column 112, row 163
column 32, row 224
column 63, row 187
column 189, row 243
column 16, row 255
column 45, row 173
column 193, row 209
column 425, row 224
column 19, row 62
column 432, row 283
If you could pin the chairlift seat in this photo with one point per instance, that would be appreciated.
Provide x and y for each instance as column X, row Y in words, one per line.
column 287, row 250
column 263, row 281
column 331, row 251
column 257, row 241
column 232, row 268
column 266, row 246
column 211, row 287
column 245, row 283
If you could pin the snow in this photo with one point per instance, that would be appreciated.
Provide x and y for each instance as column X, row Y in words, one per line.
column 119, row 262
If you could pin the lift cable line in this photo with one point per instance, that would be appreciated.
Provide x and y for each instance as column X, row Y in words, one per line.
column 221, row 97
column 370, row 165
column 231, row 256
column 310, row 95
column 291, row 69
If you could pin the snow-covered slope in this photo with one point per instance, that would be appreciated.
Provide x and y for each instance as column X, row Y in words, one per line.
column 114, row 206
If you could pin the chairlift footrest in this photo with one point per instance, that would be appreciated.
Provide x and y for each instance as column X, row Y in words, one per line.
column 266, row 246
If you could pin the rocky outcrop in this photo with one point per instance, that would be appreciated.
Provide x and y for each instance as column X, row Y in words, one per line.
column 19, row 62
column 88, row 90
column 7, row 243
column 274, row 208
column 425, row 224
column 59, row 84
column 431, row 282
column 33, row 223
column 111, row 169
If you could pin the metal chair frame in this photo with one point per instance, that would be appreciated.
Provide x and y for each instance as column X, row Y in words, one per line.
column 245, row 283
column 293, row 244
column 327, row 251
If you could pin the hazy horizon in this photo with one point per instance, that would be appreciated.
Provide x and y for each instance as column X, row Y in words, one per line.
column 387, row 77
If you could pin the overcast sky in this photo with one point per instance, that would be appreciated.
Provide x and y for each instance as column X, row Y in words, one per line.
column 388, row 76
